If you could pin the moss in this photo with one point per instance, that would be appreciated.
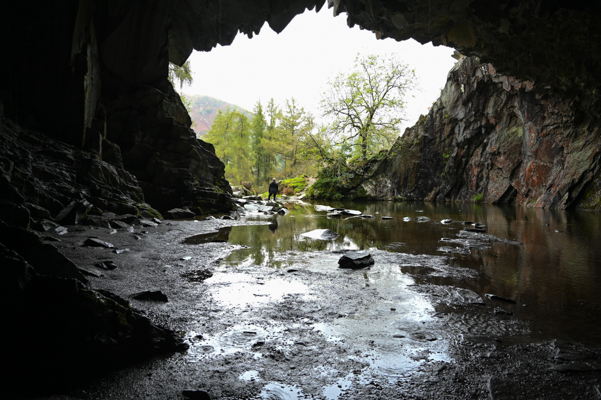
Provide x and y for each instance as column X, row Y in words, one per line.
column 298, row 184
column 478, row 198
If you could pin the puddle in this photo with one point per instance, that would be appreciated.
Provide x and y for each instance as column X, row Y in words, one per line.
column 240, row 289
column 249, row 376
column 332, row 392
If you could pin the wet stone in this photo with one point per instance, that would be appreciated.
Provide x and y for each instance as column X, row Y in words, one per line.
column 351, row 212
column 446, row 221
column 90, row 272
column 407, row 219
column 386, row 217
column 356, row 260
column 95, row 242
column 106, row 265
column 179, row 213
column 499, row 298
column 220, row 236
column 321, row 208
column 501, row 311
column 150, row 295
column 320, row 234
column 422, row 219
column 198, row 275
column 148, row 223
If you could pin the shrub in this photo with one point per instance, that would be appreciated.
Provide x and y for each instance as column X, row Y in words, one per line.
column 478, row 198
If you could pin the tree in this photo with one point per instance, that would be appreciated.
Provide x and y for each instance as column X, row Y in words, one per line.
column 295, row 126
column 367, row 106
column 261, row 159
column 230, row 134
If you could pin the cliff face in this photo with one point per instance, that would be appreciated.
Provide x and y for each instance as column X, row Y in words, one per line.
column 494, row 137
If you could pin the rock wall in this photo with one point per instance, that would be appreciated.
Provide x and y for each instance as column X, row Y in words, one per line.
column 493, row 138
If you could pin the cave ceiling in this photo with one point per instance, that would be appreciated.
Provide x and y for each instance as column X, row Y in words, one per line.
column 57, row 49
column 554, row 43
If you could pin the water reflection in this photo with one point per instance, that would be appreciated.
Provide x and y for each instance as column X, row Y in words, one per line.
column 555, row 273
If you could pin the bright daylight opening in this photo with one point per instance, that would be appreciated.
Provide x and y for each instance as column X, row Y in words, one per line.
column 301, row 63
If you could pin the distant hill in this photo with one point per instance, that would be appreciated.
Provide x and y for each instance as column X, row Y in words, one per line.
column 205, row 108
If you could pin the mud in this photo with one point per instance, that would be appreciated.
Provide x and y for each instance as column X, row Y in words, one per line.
column 307, row 329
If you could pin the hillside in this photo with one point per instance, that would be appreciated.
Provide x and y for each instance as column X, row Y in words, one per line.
column 203, row 110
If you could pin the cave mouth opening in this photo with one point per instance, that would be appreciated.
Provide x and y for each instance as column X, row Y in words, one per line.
column 299, row 61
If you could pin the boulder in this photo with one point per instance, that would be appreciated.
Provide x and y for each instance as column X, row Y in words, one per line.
column 179, row 213
column 356, row 260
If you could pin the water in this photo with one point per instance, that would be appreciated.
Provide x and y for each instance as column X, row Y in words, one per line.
column 554, row 275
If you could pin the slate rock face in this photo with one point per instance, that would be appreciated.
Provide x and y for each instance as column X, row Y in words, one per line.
column 356, row 260
column 492, row 135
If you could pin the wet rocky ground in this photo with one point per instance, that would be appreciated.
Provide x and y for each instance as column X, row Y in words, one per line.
column 308, row 329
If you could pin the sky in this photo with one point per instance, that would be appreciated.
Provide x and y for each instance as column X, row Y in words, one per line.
column 299, row 62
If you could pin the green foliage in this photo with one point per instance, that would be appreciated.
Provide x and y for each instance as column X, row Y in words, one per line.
column 274, row 142
column 398, row 199
column 230, row 134
column 297, row 184
column 478, row 198
column 366, row 106
column 180, row 75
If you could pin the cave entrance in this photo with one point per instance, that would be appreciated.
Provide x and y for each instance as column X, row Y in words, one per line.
column 298, row 62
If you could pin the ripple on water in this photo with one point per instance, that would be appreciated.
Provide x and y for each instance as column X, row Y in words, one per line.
column 237, row 338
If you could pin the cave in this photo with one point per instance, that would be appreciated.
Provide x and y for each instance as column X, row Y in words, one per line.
column 91, row 125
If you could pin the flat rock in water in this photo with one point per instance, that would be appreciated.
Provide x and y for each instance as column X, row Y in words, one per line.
column 356, row 260
column 422, row 219
column 499, row 298
column 155, row 295
column 335, row 214
column 95, row 242
column 407, row 219
column 177, row 213
column 323, row 208
column 386, row 217
column 446, row 221
column 320, row 234
column 351, row 212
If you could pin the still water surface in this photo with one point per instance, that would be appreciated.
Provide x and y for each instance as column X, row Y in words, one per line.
column 553, row 272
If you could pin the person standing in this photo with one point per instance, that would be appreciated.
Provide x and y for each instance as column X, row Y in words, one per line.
column 273, row 189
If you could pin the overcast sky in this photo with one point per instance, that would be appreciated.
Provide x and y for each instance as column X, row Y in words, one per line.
column 298, row 63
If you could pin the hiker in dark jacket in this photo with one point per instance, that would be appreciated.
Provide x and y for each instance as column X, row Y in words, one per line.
column 273, row 189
